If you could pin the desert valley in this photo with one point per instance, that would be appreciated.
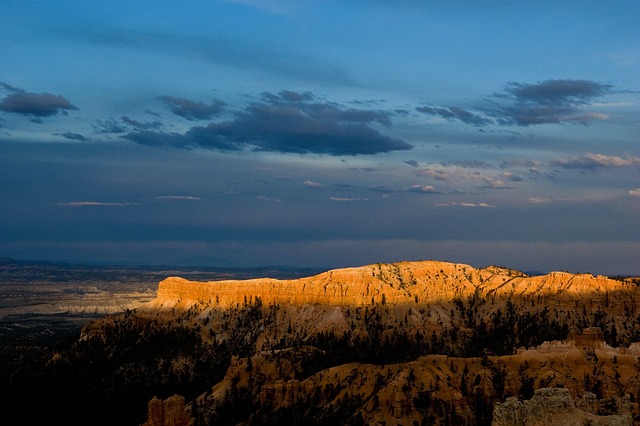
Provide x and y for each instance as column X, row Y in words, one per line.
column 406, row 343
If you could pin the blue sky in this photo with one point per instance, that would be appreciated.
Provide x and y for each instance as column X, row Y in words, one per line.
column 322, row 133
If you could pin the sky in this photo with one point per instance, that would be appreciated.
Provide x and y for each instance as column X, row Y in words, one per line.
column 322, row 133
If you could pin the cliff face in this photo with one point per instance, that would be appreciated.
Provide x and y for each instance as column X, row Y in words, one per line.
column 168, row 412
column 407, row 282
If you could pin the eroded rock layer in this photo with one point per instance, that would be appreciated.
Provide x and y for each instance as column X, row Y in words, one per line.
column 406, row 282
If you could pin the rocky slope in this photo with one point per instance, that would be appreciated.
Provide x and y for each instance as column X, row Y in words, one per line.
column 445, row 390
column 413, row 342
column 555, row 406
column 395, row 312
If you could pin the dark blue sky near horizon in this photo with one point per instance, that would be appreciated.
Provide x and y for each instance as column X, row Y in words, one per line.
column 328, row 134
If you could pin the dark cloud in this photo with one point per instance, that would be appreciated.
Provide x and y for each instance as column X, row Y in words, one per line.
column 524, row 104
column 294, row 105
column 288, row 96
column 125, row 125
column 549, row 102
column 109, row 126
column 554, row 92
column 192, row 110
column 33, row 104
column 456, row 113
column 412, row 163
column 469, row 164
column 516, row 162
column 141, row 125
column 288, row 122
column 73, row 136
column 161, row 139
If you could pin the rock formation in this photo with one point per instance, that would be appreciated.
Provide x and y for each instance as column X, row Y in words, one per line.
column 553, row 406
column 416, row 307
column 427, row 342
column 590, row 337
column 168, row 412
column 405, row 282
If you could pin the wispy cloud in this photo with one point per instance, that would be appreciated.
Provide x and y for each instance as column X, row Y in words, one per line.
column 272, row 6
column 635, row 192
column 347, row 199
column 518, row 162
column 177, row 197
column 220, row 51
column 109, row 126
column 313, row 184
column 493, row 183
column 539, row 200
column 436, row 174
column 141, row 125
column 511, row 177
column 94, row 204
column 456, row 113
column 423, row 189
column 466, row 204
column 469, row 164
column 468, row 176
column 592, row 161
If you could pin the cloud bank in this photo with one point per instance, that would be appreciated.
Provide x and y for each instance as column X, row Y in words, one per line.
column 289, row 122
column 550, row 102
column 525, row 104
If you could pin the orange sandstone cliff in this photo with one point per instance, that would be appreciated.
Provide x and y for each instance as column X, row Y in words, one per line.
column 406, row 282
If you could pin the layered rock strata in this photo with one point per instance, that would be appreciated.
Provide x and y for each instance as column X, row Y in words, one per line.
column 406, row 282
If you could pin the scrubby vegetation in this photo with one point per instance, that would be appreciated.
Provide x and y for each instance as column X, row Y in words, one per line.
column 254, row 363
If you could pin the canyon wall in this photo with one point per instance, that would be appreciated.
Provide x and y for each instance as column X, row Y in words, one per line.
column 406, row 282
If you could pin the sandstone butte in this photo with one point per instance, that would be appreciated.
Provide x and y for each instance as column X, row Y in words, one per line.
column 395, row 283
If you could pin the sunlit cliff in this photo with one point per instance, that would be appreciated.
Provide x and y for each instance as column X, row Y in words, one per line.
column 398, row 283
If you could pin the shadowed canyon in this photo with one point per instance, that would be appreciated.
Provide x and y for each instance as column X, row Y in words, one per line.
column 406, row 343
